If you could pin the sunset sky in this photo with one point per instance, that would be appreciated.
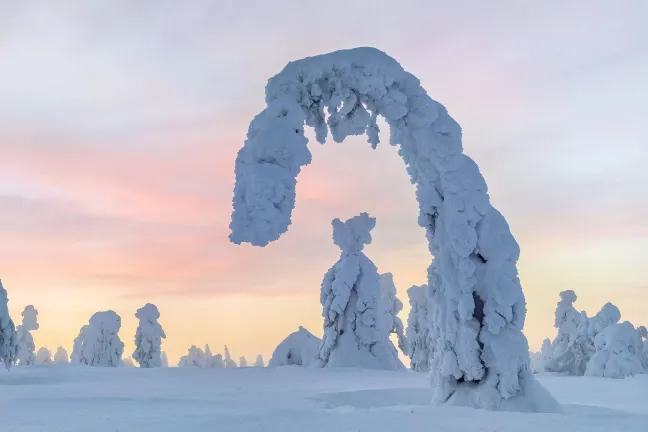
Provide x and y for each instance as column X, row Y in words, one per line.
column 120, row 122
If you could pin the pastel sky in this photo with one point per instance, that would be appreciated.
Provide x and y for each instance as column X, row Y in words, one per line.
column 120, row 122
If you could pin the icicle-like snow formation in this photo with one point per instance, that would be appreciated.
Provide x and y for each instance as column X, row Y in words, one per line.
column 354, row 332
column 391, row 308
column 26, row 346
column 418, row 329
column 8, row 336
column 617, row 352
column 297, row 349
column 473, row 280
column 148, row 337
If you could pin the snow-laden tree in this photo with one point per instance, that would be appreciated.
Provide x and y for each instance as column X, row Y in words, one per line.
column 418, row 329
column 229, row 363
column 26, row 346
column 355, row 334
column 617, row 352
column 8, row 336
column 299, row 349
column 61, row 355
column 43, row 356
column 98, row 343
column 195, row 358
column 540, row 359
column 473, row 279
column 77, row 348
column 213, row 361
column 259, row 361
column 567, row 319
column 243, row 362
column 643, row 336
column 164, row 359
column 391, row 307
column 148, row 337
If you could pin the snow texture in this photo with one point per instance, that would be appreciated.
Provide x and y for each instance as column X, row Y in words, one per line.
column 617, row 355
column 243, row 362
column 418, row 329
column 355, row 334
column 392, row 306
column 259, row 362
column 26, row 346
column 299, row 349
column 148, row 337
column 61, row 355
column 43, row 356
column 98, row 343
column 473, row 279
column 8, row 336
column 227, row 359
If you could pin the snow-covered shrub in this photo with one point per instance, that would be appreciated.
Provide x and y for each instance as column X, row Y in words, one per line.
column 354, row 332
column 26, row 346
column 98, row 343
column 617, row 352
column 474, row 285
column 164, row 359
column 299, row 348
column 391, row 307
column 243, row 362
column 229, row 363
column 418, row 329
column 195, row 358
column 148, row 337
column 43, row 356
column 8, row 336
column 61, row 355
column 259, row 361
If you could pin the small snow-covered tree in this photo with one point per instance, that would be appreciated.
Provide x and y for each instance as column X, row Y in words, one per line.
column 212, row 361
column 567, row 320
column 418, row 329
column 26, row 346
column 354, row 332
column 259, row 361
column 148, row 337
column 98, row 344
column 8, row 336
column 229, row 363
column 617, row 352
column 195, row 358
column 297, row 349
column 164, row 359
column 243, row 362
column 391, row 307
column 61, row 355
column 43, row 356
column 540, row 359
column 128, row 362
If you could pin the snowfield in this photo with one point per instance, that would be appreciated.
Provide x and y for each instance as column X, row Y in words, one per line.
column 75, row 398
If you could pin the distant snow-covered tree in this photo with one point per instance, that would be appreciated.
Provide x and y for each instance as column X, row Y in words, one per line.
column 299, row 349
column 164, row 359
column 540, row 359
column 61, row 355
column 8, row 336
column 128, row 362
column 354, row 331
column 418, row 329
column 195, row 358
column 643, row 336
column 243, row 362
column 229, row 363
column 259, row 361
column 43, row 356
column 391, row 306
column 98, row 343
column 567, row 320
column 148, row 337
column 617, row 352
column 212, row 361
column 26, row 346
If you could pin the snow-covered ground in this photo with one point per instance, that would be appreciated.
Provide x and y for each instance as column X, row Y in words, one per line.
column 75, row 398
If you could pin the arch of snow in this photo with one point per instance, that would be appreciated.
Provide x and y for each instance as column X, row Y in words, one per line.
column 480, row 355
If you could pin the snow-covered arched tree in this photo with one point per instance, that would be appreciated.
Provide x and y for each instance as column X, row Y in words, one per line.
column 8, row 336
column 391, row 307
column 473, row 279
column 26, row 346
column 617, row 352
column 259, row 361
column 418, row 329
column 61, row 355
column 43, row 356
column 98, row 343
column 355, row 334
column 148, row 337
column 229, row 363
column 299, row 348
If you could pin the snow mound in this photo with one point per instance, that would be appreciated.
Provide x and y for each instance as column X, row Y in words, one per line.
column 298, row 348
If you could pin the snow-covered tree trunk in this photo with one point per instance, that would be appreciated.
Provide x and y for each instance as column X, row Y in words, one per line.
column 148, row 337
column 26, row 346
column 418, row 329
column 617, row 352
column 61, row 355
column 473, row 279
column 259, row 361
column 8, row 336
column 355, row 334
column 391, row 306
column 43, row 356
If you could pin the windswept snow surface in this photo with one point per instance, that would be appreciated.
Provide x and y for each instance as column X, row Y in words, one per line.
column 69, row 398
